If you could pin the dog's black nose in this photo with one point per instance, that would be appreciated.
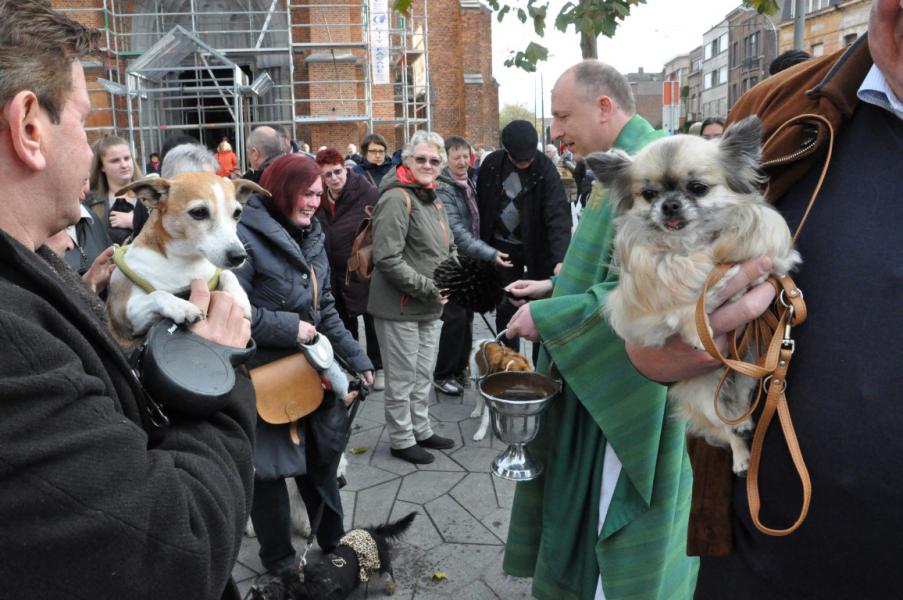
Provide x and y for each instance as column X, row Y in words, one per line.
column 671, row 207
column 236, row 258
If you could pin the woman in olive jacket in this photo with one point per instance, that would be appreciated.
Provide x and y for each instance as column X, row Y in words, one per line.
column 411, row 237
column 286, row 276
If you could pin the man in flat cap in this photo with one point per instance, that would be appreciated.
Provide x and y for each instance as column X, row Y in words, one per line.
column 524, row 211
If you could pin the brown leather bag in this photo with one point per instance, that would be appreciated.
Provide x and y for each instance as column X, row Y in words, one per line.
column 287, row 389
column 360, row 261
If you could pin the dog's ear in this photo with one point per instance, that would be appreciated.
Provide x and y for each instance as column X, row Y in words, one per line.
column 612, row 168
column 740, row 150
column 245, row 187
column 150, row 190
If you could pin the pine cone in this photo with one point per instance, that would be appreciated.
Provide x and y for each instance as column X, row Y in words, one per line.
column 472, row 283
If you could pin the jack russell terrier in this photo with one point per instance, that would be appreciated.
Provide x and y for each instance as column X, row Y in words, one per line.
column 190, row 234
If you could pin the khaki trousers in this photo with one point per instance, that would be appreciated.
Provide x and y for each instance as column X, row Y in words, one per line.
column 408, row 351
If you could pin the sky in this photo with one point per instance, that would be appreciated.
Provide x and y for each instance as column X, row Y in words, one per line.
column 651, row 35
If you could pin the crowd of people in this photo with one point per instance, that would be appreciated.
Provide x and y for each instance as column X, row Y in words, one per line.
column 109, row 492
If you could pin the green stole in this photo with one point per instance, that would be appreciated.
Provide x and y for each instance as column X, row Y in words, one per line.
column 641, row 551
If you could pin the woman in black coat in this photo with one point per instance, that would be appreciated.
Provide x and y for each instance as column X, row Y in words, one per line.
column 346, row 196
column 286, row 277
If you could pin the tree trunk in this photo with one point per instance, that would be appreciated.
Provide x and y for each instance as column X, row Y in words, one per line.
column 588, row 45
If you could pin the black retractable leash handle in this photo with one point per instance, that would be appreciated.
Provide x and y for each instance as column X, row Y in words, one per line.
column 176, row 363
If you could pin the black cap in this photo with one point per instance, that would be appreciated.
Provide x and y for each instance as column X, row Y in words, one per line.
column 519, row 138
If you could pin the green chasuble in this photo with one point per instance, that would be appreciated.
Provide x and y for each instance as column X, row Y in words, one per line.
column 553, row 538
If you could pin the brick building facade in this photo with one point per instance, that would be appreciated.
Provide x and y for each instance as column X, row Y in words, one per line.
column 318, row 56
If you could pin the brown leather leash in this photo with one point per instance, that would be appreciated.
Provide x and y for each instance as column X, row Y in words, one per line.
column 771, row 332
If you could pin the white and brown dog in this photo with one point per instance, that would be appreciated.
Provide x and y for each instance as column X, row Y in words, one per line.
column 190, row 234
column 488, row 357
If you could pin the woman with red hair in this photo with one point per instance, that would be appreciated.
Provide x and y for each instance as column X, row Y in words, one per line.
column 286, row 277
column 346, row 196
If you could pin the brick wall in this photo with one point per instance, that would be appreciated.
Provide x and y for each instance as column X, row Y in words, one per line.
column 481, row 99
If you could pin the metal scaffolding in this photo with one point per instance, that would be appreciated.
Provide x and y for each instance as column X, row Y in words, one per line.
column 215, row 68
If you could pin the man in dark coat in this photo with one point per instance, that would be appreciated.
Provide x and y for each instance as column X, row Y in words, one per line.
column 524, row 211
column 264, row 147
column 101, row 498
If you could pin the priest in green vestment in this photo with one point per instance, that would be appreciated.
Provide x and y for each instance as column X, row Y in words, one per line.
column 608, row 517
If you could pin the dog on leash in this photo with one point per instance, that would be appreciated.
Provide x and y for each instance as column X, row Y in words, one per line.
column 684, row 205
column 488, row 357
column 360, row 554
column 190, row 234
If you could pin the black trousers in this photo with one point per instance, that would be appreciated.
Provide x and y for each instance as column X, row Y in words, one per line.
column 271, row 516
column 454, row 341
column 505, row 309
column 350, row 322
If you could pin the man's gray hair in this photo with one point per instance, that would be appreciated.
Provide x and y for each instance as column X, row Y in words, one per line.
column 188, row 158
column 596, row 78
column 425, row 137
column 267, row 141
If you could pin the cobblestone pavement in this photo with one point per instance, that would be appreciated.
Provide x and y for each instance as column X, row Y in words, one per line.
column 462, row 510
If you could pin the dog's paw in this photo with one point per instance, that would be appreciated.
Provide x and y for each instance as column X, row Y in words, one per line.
column 476, row 412
column 249, row 529
column 388, row 584
column 740, row 459
column 179, row 311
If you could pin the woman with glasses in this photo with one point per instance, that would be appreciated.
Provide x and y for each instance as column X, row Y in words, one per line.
column 411, row 237
column 376, row 160
column 346, row 196
column 286, row 277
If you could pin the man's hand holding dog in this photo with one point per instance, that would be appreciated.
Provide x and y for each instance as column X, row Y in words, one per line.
column 676, row 361
column 225, row 322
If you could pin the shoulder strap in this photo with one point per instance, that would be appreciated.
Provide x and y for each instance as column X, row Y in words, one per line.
column 407, row 200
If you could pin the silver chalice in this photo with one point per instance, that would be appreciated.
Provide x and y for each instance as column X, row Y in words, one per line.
column 516, row 401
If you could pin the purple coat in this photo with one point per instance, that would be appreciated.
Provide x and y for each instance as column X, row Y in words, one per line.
column 340, row 231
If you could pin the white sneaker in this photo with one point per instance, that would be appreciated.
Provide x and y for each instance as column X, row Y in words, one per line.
column 379, row 380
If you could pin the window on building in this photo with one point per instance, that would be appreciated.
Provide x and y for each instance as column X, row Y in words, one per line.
column 722, row 74
column 818, row 49
column 734, row 95
column 849, row 38
column 708, row 80
column 753, row 81
column 735, row 53
column 709, row 50
column 744, row 85
column 722, row 42
column 752, row 45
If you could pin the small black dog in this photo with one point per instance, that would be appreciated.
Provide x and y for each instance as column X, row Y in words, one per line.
column 359, row 553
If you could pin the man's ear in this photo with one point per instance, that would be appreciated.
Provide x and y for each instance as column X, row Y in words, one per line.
column 244, row 188
column 27, row 129
column 740, row 150
column 612, row 169
column 152, row 191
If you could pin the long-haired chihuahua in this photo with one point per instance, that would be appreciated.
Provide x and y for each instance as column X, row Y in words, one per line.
column 684, row 205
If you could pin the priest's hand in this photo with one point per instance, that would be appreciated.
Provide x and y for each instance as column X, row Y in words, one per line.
column 521, row 324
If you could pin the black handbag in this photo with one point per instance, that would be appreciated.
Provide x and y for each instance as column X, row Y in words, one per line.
column 276, row 456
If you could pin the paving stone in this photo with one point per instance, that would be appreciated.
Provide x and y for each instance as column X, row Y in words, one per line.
column 474, row 458
column 364, row 476
column 504, row 491
column 368, row 438
column 504, row 585
column 462, row 563
column 385, row 461
column 348, row 501
column 456, row 525
column 498, row 522
column 475, row 591
column 422, row 533
column 372, row 410
column 374, row 505
column 247, row 555
column 424, row 486
column 363, row 424
column 442, row 463
column 448, row 412
column 476, row 494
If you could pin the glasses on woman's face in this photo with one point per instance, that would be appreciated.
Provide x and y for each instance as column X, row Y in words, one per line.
column 376, row 151
column 334, row 173
column 422, row 160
